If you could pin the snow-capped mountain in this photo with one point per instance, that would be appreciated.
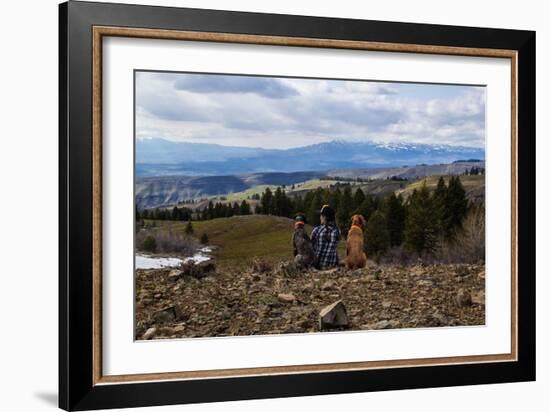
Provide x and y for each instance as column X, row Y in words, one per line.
column 156, row 157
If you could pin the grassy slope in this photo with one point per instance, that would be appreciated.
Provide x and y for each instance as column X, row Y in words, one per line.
column 469, row 183
column 375, row 187
column 244, row 237
column 241, row 238
column 307, row 185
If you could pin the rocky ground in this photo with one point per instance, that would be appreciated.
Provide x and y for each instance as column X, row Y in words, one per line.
column 270, row 299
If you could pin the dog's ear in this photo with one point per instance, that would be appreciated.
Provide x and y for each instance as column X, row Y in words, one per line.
column 358, row 220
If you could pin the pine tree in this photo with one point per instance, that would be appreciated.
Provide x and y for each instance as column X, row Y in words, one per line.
column 210, row 212
column 244, row 209
column 334, row 198
column 315, row 205
column 440, row 200
column 358, row 198
column 277, row 202
column 286, row 205
column 298, row 206
column 267, row 202
column 395, row 213
column 368, row 207
column 343, row 212
column 377, row 236
column 420, row 224
column 204, row 238
column 456, row 206
column 236, row 209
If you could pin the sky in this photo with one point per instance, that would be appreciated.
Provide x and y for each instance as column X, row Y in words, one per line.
column 279, row 113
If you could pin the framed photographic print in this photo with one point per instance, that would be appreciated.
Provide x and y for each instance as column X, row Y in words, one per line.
column 256, row 205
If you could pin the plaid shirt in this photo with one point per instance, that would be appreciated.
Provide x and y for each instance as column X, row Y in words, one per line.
column 324, row 239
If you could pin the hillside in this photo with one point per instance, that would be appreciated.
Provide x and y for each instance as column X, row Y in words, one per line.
column 155, row 191
column 268, row 300
column 473, row 185
column 239, row 237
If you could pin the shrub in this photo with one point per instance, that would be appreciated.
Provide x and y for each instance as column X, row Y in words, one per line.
column 149, row 244
column 204, row 239
column 189, row 228
column 166, row 242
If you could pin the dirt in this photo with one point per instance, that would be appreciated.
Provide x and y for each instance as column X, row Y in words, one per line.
column 271, row 299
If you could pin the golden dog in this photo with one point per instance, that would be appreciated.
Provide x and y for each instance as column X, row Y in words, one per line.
column 355, row 253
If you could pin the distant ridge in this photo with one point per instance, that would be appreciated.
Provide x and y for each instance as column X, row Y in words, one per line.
column 159, row 157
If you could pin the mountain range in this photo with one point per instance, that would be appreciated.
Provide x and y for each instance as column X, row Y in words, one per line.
column 160, row 157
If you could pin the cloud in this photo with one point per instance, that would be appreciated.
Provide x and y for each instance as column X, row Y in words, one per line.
column 285, row 112
column 267, row 87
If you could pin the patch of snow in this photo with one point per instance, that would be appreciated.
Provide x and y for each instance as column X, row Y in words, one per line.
column 197, row 258
column 147, row 262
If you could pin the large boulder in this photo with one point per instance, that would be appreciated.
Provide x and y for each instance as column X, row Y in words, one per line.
column 168, row 315
column 198, row 270
column 175, row 274
column 333, row 316
column 149, row 334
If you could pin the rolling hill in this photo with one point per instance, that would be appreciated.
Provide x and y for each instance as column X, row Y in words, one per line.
column 169, row 190
column 157, row 191
column 473, row 185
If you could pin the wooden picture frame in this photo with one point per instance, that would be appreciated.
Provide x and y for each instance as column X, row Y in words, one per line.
column 82, row 385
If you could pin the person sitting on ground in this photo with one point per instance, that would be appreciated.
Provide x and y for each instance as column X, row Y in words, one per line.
column 325, row 239
column 301, row 243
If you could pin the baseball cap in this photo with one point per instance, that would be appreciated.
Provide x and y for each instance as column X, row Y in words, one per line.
column 327, row 211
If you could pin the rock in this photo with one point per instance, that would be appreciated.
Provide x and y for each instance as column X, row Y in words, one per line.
column 328, row 271
column 169, row 314
column 149, row 333
column 479, row 298
column 286, row 297
column 333, row 316
column 261, row 266
column 328, row 285
column 481, row 275
column 394, row 324
column 199, row 270
column 175, row 274
column 386, row 304
column 308, row 288
column 383, row 324
column 440, row 319
column 463, row 298
column 369, row 278
column 427, row 283
column 462, row 271
column 288, row 269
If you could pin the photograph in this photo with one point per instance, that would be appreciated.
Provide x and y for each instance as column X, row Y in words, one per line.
column 273, row 205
